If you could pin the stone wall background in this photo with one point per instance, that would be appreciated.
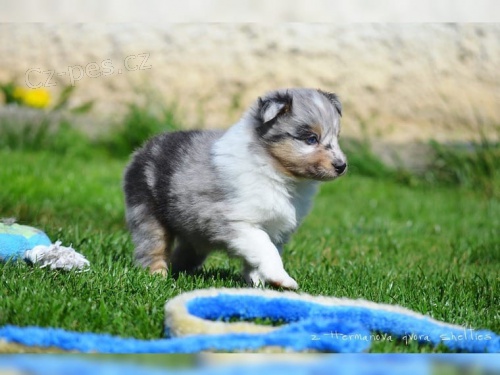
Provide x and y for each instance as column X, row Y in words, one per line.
column 401, row 82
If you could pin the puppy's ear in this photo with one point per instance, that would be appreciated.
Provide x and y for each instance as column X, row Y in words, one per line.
column 274, row 105
column 334, row 99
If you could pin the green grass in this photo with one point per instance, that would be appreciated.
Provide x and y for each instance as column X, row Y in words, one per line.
column 433, row 248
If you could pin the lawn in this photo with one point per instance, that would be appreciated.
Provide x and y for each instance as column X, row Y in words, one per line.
column 431, row 247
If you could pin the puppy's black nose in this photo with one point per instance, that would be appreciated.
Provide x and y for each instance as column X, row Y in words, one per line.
column 340, row 168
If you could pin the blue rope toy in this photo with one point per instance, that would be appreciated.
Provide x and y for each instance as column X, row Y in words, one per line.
column 199, row 321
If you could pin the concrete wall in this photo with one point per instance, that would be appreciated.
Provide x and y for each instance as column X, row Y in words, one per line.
column 400, row 81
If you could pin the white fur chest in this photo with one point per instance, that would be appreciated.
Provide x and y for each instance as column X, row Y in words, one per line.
column 268, row 206
column 259, row 195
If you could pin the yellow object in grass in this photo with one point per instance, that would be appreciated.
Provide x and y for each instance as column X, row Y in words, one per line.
column 36, row 98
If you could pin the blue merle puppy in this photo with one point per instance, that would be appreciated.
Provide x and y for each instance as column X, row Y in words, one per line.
column 244, row 190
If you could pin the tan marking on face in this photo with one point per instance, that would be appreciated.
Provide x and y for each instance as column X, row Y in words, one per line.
column 280, row 167
column 316, row 165
column 316, row 129
column 321, row 163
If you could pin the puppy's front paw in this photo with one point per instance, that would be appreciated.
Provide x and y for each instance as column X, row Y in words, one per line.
column 287, row 283
column 256, row 278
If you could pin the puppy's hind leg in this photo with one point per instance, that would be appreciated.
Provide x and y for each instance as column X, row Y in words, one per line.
column 152, row 240
column 153, row 244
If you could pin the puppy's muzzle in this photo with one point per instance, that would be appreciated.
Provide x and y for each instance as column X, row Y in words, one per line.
column 340, row 168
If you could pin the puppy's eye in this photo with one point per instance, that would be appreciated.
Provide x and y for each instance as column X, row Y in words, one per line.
column 311, row 140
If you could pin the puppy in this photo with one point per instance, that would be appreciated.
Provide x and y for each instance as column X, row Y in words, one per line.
column 244, row 190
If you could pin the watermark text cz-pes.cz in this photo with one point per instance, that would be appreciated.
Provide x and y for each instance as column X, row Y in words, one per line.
column 36, row 77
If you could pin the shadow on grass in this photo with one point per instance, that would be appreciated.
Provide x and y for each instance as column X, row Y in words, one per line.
column 216, row 275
